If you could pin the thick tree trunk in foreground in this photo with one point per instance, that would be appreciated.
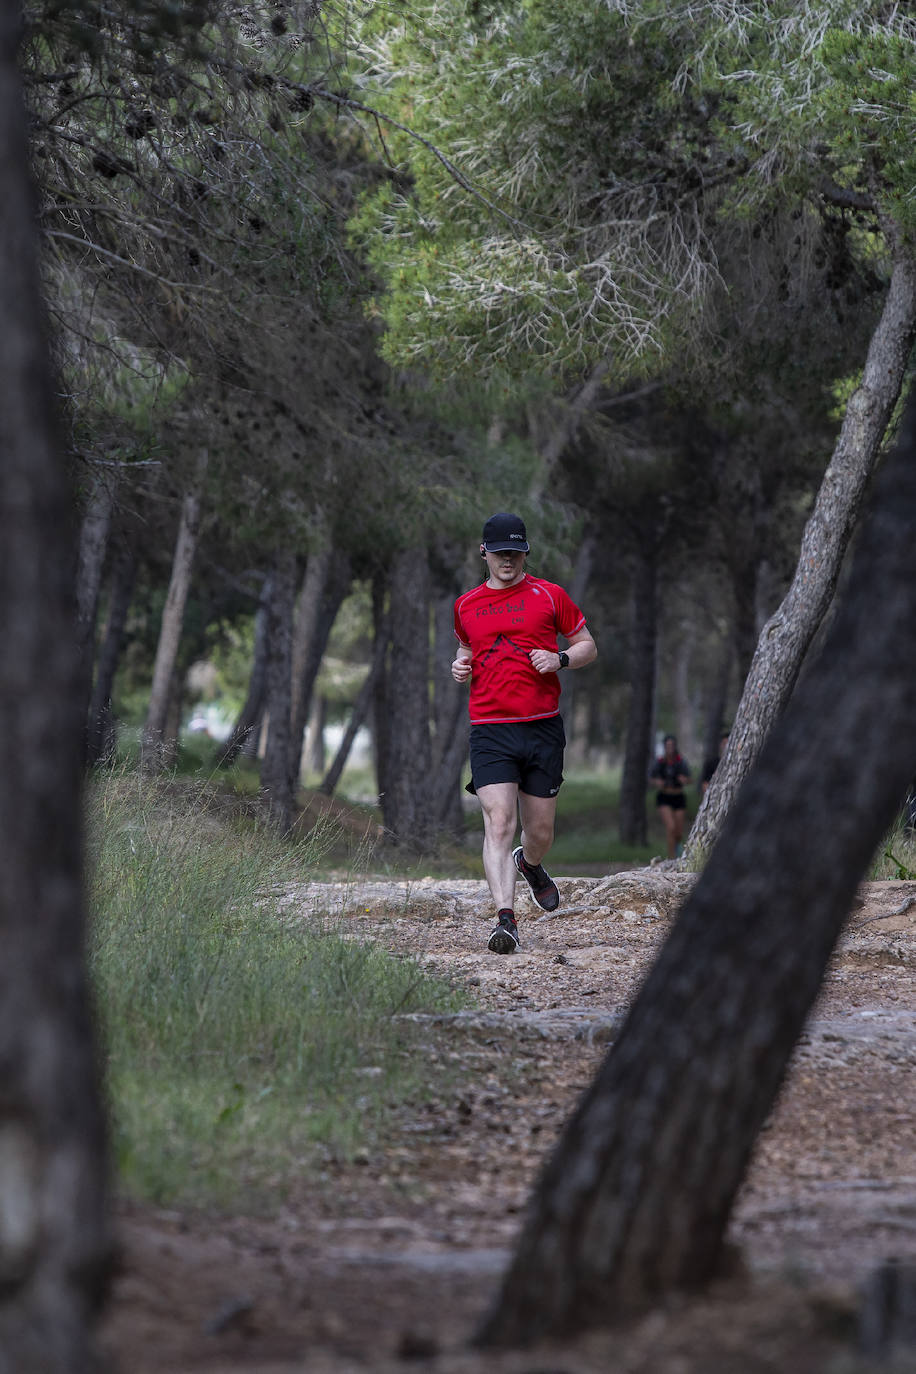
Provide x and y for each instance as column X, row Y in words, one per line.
column 643, row 641
column 407, row 803
column 790, row 630
column 276, row 788
column 53, row 1241
column 637, row 1196
column 151, row 750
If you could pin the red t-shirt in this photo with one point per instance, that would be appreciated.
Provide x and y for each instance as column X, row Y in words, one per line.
column 501, row 627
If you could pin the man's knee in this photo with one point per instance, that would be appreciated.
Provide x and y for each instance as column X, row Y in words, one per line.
column 539, row 833
column 499, row 826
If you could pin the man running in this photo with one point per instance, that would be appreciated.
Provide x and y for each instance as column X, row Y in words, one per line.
column 507, row 631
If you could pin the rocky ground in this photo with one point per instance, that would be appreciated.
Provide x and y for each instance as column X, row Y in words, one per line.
column 388, row 1264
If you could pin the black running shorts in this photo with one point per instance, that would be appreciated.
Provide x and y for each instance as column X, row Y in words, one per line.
column 676, row 800
column 529, row 753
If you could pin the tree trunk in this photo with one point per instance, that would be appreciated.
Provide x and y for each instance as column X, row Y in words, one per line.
column 380, row 693
column 636, row 1198
column 359, row 712
column 328, row 578
column 253, row 709
column 276, row 788
column 53, row 1236
column 450, row 737
column 101, row 740
column 788, row 633
column 717, row 699
column 572, row 683
column 406, row 804
column 315, row 756
column 171, row 730
column 684, row 713
column 643, row 646
column 172, row 620
column 743, row 568
column 93, row 545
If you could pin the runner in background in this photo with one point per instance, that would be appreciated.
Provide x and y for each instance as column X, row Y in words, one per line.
column 671, row 774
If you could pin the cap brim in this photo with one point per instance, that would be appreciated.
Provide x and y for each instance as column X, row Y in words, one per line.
column 505, row 547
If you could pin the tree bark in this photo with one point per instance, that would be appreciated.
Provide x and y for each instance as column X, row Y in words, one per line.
column 54, row 1245
column 643, row 648
column 789, row 631
column 315, row 756
column 450, row 716
column 380, row 723
column 101, row 740
column 152, row 744
column 572, row 682
column 407, row 803
column 328, row 578
column 93, row 545
column 276, row 788
column 252, row 711
column 637, row 1196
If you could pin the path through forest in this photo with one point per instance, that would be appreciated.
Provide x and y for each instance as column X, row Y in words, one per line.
column 385, row 1265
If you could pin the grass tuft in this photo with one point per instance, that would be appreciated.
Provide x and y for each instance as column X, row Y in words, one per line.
column 241, row 1048
column 896, row 855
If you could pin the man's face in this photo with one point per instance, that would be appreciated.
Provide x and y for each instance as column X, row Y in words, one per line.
column 506, row 567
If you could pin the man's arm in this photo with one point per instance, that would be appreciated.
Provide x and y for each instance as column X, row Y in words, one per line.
column 582, row 649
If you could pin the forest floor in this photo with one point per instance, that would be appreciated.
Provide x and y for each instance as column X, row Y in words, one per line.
column 387, row 1264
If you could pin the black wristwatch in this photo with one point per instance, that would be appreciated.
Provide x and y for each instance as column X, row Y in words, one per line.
column 564, row 661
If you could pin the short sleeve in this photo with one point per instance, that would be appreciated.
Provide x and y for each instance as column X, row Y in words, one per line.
column 459, row 628
column 569, row 618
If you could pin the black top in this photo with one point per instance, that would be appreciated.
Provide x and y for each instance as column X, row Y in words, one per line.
column 667, row 773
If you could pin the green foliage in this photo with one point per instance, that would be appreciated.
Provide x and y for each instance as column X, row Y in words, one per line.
column 603, row 159
column 242, row 1044
column 540, row 257
column 870, row 112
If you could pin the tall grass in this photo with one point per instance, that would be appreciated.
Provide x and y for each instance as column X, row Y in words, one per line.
column 241, row 1047
column 895, row 856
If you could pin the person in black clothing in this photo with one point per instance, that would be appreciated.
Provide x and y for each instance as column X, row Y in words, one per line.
column 710, row 766
column 671, row 773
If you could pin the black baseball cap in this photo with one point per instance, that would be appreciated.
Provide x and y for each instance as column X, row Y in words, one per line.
column 504, row 531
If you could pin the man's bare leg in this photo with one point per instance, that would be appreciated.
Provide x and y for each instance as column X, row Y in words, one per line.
column 499, row 802
column 538, row 819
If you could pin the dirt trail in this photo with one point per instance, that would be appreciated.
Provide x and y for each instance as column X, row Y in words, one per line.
column 393, row 1259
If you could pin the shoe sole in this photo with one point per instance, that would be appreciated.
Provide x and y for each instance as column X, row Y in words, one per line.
column 502, row 942
column 548, row 903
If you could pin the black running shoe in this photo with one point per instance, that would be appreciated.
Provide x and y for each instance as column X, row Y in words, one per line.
column 543, row 888
column 504, row 935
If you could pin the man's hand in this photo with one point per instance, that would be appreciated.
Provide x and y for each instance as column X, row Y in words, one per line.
column 545, row 660
column 461, row 669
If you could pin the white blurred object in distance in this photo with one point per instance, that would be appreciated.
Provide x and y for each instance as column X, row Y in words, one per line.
column 361, row 750
column 209, row 720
